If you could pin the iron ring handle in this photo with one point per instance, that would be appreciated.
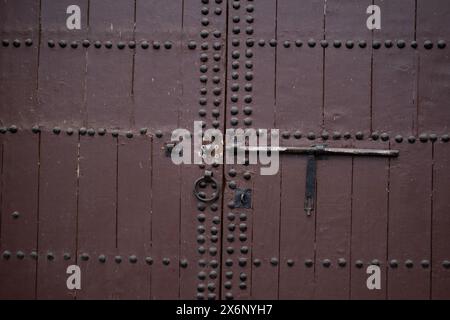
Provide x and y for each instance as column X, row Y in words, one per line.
column 207, row 178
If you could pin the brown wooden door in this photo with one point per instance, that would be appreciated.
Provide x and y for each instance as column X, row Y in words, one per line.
column 86, row 118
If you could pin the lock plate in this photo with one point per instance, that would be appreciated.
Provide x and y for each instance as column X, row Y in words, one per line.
column 243, row 198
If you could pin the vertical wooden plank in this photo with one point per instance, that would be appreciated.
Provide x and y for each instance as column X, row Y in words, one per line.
column 110, row 67
column 297, row 232
column 157, row 64
column 394, row 72
column 433, row 29
column 19, row 215
column 299, row 65
column 369, row 220
column 134, row 214
column 410, row 221
column 266, row 202
column 165, row 223
column 333, row 226
column 97, row 217
column 440, row 281
column 347, row 68
column 57, row 213
column 19, row 31
column 299, row 101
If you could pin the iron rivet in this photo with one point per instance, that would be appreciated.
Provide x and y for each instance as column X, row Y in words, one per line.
column 145, row 45
column 28, row 42
column 388, row 44
column 445, row 138
column 311, row 136
column 446, row 264
column 290, row 262
column 243, row 217
column 441, row 44
column 326, row 263
column 286, row 135
column 311, row 43
column 423, row 137
column 309, row 263
column 347, row 135
column 91, row 132
column 398, row 139
column 229, row 296
column 336, row 135
column 375, row 262
column 401, row 44
column 66, row 256
column 324, row 43
column 337, row 44
column 118, row 259
column 149, row 261
column 428, row 44
column 56, row 130
column 6, row 255
column 409, row 264
column 359, row 264
column 342, row 262
column 34, row 255
column 82, row 131
column 102, row 258
column 297, row 135
column 35, row 129
column 15, row 215
column 375, row 136
column 298, row 43
column 166, row 261
column 156, row 45
column 120, row 45
column 50, row 256
column 411, row 139
column 16, row 43
column 359, row 135
column 86, row 43
column 74, row 44
column 349, row 44
column 362, row 44
column 51, row 43
column 433, row 137
column 132, row 259
column 384, row 136
column 425, row 264
column 414, row 44
column 229, row 274
column 325, row 135
column 159, row 134
column 376, row 44
column 274, row 261
column 5, row 42
column 20, row 255
column 13, row 129
column 257, row 262
column 129, row 135
column 393, row 263
column 84, row 257
column 62, row 43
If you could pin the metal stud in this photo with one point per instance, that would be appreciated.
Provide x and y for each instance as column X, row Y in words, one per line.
column 290, row 263
column 398, row 139
column 393, row 263
column 132, row 259
column 428, row 44
column 13, row 129
column 409, row 264
column 342, row 262
column 326, row 263
column 441, row 44
column 84, row 257
column 102, row 258
column 50, row 256
column 6, row 255
column 184, row 263
column 359, row 264
column 425, row 264
column 149, row 260
column 34, row 255
column 274, row 261
column 446, row 264
column 445, row 138
column 256, row 262
column 66, row 256
column 15, row 215
column 118, row 259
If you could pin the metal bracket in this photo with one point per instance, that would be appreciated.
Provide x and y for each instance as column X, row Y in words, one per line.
column 243, row 198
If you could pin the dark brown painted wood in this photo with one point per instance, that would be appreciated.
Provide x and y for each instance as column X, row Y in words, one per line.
column 299, row 91
column 62, row 71
column 370, row 189
column 20, row 196
column 165, row 223
column 157, row 72
column 347, row 71
column 19, row 21
column 333, row 226
column 109, row 71
column 394, row 71
column 433, row 83
column 265, row 201
column 97, row 216
column 134, row 215
column 440, row 281
column 410, row 220
column 297, row 230
column 57, row 213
